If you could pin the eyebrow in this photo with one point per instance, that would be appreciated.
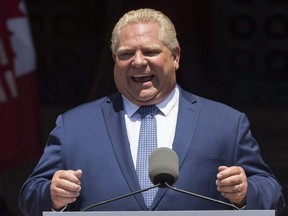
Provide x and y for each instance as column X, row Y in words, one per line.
column 150, row 47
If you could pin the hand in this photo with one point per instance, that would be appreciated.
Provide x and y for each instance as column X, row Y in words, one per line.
column 65, row 188
column 232, row 183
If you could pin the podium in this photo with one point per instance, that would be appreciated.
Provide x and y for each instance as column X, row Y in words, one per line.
column 166, row 213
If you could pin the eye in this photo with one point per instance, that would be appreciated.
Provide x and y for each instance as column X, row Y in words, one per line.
column 151, row 52
column 125, row 55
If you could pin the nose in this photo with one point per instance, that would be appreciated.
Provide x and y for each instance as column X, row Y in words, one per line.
column 139, row 60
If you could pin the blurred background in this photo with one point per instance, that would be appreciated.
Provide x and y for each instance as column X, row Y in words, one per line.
column 56, row 55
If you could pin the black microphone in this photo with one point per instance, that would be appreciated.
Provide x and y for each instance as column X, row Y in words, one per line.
column 164, row 170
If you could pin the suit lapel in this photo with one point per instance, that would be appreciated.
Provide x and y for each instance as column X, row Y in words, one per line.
column 188, row 114
column 113, row 114
column 187, row 120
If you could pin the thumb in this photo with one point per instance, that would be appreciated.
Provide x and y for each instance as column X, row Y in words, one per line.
column 78, row 173
column 221, row 168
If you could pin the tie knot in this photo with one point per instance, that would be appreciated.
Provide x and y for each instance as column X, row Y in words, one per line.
column 147, row 110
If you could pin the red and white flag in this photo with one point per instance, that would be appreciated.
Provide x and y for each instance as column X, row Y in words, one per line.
column 19, row 109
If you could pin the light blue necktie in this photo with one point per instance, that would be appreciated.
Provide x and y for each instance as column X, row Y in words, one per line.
column 147, row 143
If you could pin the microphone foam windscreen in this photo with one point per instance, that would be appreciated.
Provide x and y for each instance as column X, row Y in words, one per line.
column 163, row 166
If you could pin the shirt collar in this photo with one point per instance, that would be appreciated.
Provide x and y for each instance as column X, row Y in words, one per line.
column 164, row 106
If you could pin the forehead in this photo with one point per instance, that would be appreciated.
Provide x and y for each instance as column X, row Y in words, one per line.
column 140, row 31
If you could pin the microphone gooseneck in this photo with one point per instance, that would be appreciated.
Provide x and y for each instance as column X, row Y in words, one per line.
column 119, row 197
column 202, row 197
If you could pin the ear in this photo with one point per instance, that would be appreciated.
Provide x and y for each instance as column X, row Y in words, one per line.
column 114, row 57
column 176, row 55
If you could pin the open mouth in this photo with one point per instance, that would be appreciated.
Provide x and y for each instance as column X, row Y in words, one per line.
column 142, row 78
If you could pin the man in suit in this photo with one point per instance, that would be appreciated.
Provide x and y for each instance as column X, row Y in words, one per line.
column 91, row 154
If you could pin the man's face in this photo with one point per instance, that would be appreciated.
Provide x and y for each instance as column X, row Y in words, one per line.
column 145, row 69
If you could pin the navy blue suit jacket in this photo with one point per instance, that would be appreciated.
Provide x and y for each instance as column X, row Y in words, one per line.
column 93, row 138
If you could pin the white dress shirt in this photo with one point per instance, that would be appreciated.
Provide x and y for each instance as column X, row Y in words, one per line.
column 166, row 119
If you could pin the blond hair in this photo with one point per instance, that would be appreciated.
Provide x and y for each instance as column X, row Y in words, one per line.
column 146, row 15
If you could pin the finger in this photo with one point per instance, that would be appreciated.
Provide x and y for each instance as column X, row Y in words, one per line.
column 225, row 172
column 66, row 181
column 71, row 175
column 229, row 181
column 78, row 174
column 230, row 189
column 59, row 192
column 66, row 185
column 221, row 168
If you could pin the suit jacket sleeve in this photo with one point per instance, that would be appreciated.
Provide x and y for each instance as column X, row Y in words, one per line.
column 264, row 192
column 35, row 196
